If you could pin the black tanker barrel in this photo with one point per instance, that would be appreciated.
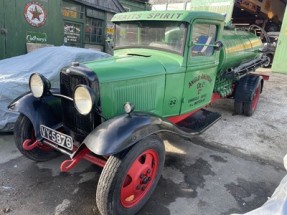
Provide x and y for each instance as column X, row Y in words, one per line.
column 238, row 47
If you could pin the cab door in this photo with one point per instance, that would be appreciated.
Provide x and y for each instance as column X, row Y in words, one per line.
column 202, row 65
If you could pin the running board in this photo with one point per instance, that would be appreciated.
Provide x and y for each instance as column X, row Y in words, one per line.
column 199, row 121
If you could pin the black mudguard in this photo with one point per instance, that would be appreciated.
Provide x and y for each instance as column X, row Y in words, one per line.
column 46, row 111
column 246, row 86
column 120, row 133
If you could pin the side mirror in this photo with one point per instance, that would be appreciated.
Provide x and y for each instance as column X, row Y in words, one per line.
column 218, row 46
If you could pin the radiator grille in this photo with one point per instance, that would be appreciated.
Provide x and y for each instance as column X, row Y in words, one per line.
column 81, row 125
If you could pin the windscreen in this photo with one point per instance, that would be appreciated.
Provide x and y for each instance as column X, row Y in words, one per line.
column 169, row 36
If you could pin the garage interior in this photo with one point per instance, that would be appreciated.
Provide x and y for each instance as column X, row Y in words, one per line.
column 268, row 16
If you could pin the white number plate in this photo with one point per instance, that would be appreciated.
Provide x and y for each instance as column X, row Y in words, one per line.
column 56, row 137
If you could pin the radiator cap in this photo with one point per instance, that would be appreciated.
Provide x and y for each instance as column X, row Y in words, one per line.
column 75, row 64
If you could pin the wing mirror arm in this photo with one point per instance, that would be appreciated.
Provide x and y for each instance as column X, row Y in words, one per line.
column 218, row 46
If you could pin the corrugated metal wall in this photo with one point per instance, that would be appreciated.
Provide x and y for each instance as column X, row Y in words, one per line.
column 13, row 22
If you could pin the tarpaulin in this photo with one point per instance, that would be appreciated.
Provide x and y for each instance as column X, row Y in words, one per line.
column 15, row 73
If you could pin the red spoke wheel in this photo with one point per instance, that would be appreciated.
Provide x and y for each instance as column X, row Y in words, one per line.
column 250, row 107
column 24, row 130
column 129, row 178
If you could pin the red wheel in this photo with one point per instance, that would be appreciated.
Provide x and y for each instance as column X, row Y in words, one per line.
column 24, row 131
column 130, row 177
column 250, row 107
column 139, row 178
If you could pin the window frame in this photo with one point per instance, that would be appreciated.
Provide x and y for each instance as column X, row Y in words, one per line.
column 203, row 57
column 93, row 27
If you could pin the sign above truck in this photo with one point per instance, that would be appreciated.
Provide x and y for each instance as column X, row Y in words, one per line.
column 166, row 16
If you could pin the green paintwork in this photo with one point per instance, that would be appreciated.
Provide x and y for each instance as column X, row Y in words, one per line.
column 139, row 79
column 279, row 62
column 12, row 14
column 239, row 46
column 165, row 83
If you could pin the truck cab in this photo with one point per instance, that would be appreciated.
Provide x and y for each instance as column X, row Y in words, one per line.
column 167, row 67
column 173, row 58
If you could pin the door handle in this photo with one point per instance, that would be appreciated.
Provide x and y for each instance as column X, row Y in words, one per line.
column 3, row 31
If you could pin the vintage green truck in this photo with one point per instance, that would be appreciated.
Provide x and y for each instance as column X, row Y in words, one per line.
column 167, row 66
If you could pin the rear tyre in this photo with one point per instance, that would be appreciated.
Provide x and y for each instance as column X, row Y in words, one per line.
column 238, row 107
column 24, row 130
column 250, row 107
column 130, row 177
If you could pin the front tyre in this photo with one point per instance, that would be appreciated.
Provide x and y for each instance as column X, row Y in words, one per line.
column 130, row 177
column 24, row 130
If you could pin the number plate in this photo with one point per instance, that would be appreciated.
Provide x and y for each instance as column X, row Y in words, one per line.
column 56, row 137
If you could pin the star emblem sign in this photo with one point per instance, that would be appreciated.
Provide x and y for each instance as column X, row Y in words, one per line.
column 36, row 13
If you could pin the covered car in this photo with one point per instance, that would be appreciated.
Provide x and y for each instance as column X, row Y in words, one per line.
column 15, row 73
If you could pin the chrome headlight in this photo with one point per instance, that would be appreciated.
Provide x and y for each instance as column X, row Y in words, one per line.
column 84, row 99
column 39, row 85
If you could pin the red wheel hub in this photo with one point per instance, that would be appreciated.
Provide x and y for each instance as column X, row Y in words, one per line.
column 139, row 178
column 256, row 98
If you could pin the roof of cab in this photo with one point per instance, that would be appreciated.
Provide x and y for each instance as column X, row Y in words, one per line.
column 182, row 15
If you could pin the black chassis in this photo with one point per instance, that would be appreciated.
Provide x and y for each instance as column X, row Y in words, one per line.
column 110, row 137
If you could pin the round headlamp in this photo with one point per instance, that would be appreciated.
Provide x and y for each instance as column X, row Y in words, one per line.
column 84, row 99
column 39, row 85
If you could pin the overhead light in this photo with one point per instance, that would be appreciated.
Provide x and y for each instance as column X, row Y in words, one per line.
column 270, row 14
column 242, row 9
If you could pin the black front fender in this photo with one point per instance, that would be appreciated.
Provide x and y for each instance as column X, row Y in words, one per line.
column 119, row 133
column 46, row 111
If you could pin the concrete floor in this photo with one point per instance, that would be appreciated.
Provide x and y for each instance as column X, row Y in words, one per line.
column 263, row 135
column 197, row 180
column 232, row 168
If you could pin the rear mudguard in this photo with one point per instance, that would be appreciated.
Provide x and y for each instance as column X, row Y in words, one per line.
column 120, row 133
column 46, row 111
column 246, row 86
